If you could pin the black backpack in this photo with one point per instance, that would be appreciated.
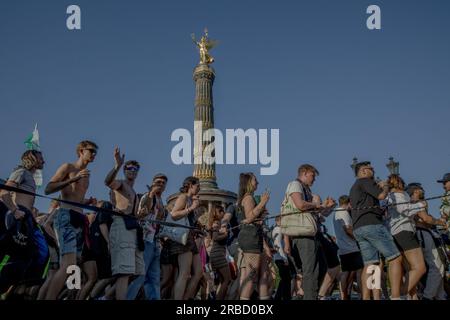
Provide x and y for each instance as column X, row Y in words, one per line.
column 16, row 236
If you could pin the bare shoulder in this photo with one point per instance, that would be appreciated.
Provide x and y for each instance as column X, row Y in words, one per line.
column 118, row 181
column 62, row 171
column 117, row 185
column 181, row 200
column 248, row 199
column 66, row 167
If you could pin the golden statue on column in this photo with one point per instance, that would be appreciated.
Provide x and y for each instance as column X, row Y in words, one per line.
column 204, row 45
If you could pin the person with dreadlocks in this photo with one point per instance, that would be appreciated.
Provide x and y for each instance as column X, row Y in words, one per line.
column 22, row 178
column 21, row 239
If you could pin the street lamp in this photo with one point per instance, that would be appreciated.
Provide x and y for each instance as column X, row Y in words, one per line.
column 393, row 166
column 354, row 163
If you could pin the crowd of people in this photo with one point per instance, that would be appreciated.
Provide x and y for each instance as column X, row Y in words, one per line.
column 133, row 246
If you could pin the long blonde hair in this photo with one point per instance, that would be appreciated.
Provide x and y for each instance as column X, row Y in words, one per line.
column 245, row 185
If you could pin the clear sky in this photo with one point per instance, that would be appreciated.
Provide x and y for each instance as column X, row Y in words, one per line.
column 310, row 68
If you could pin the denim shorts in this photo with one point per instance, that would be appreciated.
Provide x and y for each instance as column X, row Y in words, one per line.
column 373, row 240
column 70, row 239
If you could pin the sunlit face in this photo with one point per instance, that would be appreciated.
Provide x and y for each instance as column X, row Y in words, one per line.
column 159, row 185
column 194, row 188
column 88, row 154
column 367, row 171
column 216, row 225
column 417, row 195
column 40, row 161
column 131, row 171
column 447, row 186
column 254, row 183
column 220, row 213
column 309, row 177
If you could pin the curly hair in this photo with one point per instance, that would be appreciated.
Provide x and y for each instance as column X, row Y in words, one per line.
column 29, row 159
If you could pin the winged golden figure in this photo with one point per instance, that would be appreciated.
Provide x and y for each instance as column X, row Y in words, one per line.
column 204, row 45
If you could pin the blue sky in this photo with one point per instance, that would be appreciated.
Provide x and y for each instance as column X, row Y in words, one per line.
column 309, row 68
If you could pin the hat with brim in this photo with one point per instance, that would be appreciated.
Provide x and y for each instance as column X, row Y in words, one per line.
column 445, row 178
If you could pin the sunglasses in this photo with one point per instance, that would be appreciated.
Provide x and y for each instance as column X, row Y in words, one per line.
column 132, row 168
column 92, row 151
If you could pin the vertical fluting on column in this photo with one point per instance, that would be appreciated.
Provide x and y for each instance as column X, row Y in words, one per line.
column 204, row 112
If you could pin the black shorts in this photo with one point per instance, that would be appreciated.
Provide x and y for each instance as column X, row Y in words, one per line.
column 165, row 256
column 87, row 254
column 406, row 240
column 250, row 239
column 351, row 261
column 330, row 252
column 104, row 266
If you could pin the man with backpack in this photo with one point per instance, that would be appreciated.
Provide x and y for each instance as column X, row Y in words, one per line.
column 299, row 198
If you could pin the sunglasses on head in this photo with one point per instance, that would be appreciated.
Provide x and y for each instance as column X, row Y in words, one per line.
column 132, row 168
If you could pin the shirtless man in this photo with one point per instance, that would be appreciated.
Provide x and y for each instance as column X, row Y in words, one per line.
column 126, row 259
column 72, row 179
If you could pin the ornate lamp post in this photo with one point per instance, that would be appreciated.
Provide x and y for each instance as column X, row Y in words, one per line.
column 393, row 166
column 353, row 165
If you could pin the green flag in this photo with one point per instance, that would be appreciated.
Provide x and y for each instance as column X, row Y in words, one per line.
column 32, row 143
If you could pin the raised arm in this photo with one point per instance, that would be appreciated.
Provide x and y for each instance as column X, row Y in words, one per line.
column 110, row 180
column 146, row 205
column 301, row 204
column 179, row 209
column 251, row 210
column 379, row 191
